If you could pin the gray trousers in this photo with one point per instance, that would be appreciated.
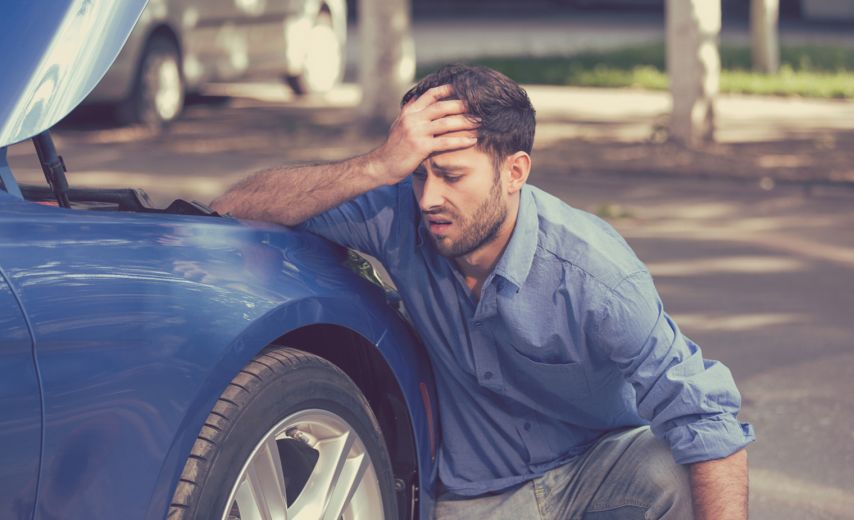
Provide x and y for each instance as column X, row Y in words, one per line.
column 627, row 475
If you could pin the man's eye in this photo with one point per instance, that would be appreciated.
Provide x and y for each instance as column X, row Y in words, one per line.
column 453, row 178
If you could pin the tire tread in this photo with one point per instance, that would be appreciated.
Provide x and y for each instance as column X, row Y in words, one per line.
column 239, row 392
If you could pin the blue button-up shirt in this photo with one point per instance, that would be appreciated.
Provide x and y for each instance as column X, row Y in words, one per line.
column 567, row 342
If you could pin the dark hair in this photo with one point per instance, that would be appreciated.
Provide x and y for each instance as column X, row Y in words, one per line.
column 505, row 112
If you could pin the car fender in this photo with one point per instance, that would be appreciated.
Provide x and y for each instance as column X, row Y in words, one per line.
column 340, row 297
column 141, row 320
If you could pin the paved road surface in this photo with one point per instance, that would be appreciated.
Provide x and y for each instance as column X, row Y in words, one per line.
column 762, row 279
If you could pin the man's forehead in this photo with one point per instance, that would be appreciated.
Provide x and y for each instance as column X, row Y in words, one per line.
column 446, row 164
column 468, row 158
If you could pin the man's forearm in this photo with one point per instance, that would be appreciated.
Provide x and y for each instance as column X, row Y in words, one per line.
column 719, row 488
column 291, row 195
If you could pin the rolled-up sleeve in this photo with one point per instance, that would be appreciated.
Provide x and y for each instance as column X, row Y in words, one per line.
column 691, row 402
column 367, row 223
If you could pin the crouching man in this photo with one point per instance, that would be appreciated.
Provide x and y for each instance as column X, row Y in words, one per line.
column 564, row 389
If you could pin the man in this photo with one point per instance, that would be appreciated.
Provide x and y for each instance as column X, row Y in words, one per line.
column 550, row 347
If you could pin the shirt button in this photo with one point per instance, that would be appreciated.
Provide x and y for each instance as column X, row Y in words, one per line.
column 478, row 323
column 487, row 375
column 527, row 426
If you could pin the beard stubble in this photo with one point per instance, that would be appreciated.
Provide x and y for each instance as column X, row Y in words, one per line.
column 478, row 230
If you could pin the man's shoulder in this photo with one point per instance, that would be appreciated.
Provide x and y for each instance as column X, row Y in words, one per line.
column 583, row 242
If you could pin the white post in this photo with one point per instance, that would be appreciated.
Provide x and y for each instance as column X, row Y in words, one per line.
column 387, row 61
column 693, row 67
column 764, row 16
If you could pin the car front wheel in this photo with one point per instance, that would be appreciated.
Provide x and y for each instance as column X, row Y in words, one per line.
column 158, row 91
column 292, row 437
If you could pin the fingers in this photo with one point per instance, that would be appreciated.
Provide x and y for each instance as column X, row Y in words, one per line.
column 444, row 144
column 431, row 96
column 452, row 123
column 444, row 108
column 429, row 124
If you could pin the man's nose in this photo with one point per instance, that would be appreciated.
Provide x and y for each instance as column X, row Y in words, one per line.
column 432, row 195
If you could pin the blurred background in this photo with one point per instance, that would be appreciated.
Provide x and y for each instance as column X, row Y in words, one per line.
column 717, row 137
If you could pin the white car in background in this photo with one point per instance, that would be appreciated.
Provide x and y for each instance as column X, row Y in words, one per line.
column 178, row 45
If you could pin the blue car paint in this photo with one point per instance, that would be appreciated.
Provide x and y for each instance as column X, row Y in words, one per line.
column 141, row 320
column 20, row 411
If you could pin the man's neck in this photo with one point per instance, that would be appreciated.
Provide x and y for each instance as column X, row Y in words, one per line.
column 478, row 264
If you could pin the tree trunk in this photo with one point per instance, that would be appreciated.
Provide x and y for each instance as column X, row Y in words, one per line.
column 693, row 67
column 764, row 16
column 387, row 61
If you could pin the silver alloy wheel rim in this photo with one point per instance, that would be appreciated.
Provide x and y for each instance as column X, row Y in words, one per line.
column 164, row 80
column 342, row 485
column 322, row 66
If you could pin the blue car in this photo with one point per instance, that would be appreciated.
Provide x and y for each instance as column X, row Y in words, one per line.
column 176, row 363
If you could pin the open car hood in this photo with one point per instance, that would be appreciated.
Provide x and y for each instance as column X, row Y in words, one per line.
column 54, row 53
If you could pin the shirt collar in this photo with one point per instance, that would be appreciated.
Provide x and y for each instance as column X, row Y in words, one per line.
column 515, row 264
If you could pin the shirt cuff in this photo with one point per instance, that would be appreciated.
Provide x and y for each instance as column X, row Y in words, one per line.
column 709, row 438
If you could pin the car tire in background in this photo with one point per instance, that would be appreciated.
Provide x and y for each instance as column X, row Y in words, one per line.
column 323, row 67
column 158, row 90
column 291, row 431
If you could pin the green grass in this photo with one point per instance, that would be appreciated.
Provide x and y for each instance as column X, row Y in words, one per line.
column 808, row 71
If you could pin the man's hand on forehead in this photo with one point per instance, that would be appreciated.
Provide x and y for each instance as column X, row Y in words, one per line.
column 428, row 124
column 447, row 115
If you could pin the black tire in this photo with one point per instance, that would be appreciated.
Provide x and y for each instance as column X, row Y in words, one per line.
column 276, row 385
column 302, row 84
column 142, row 107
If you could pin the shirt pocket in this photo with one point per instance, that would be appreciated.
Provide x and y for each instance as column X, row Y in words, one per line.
column 548, row 387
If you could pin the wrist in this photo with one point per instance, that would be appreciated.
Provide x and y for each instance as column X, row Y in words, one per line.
column 377, row 167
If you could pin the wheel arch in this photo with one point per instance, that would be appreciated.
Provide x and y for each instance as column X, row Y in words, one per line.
column 385, row 363
column 337, row 9
column 365, row 364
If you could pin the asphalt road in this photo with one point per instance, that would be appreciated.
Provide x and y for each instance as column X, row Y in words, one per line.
column 761, row 278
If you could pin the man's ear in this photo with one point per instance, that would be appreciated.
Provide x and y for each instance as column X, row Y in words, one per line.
column 519, row 165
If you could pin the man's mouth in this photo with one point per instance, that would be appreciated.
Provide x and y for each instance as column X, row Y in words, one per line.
column 438, row 226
